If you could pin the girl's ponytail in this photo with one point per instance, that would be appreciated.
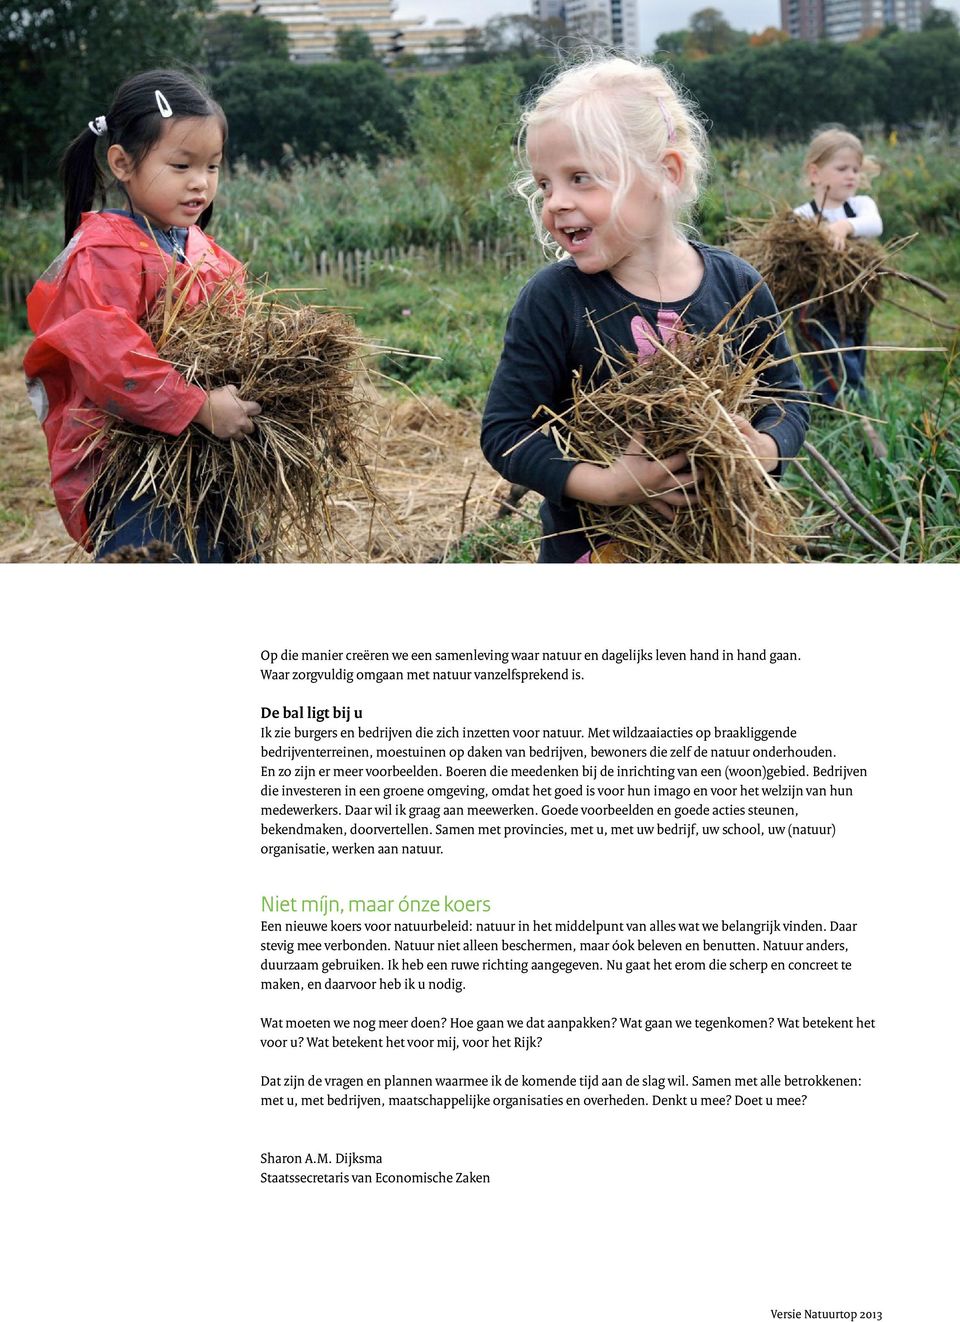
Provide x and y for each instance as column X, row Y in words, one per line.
column 82, row 179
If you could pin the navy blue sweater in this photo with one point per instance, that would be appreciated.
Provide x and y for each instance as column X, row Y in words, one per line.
column 553, row 332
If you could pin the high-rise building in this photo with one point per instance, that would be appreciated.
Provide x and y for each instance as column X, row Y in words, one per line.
column 590, row 19
column 802, row 19
column 605, row 22
column 312, row 24
column 312, row 27
column 443, row 41
column 308, row 29
column 849, row 20
column 907, row 14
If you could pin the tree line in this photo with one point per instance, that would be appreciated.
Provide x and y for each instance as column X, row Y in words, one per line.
column 60, row 61
column 780, row 89
column 788, row 89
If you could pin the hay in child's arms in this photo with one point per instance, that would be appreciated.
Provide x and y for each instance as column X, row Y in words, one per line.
column 683, row 398
column 265, row 494
column 801, row 266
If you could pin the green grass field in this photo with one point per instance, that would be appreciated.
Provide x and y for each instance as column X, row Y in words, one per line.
column 448, row 325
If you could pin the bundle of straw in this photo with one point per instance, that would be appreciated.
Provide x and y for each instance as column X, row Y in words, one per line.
column 261, row 495
column 801, row 266
column 684, row 397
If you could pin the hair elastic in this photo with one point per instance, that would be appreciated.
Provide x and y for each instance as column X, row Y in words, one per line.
column 671, row 131
column 163, row 105
column 98, row 125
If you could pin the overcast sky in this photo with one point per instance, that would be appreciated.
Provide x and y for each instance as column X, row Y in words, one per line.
column 655, row 15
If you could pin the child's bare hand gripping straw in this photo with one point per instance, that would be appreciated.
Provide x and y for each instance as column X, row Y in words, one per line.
column 615, row 157
column 226, row 415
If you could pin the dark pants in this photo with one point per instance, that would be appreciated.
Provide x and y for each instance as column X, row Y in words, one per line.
column 135, row 524
column 837, row 358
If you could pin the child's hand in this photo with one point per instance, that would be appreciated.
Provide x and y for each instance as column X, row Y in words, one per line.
column 762, row 445
column 838, row 231
column 666, row 484
column 226, row 415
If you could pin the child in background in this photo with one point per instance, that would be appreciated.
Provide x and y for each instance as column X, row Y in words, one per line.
column 614, row 157
column 91, row 359
column 835, row 167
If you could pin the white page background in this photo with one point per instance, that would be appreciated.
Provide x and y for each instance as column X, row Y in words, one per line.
column 132, row 979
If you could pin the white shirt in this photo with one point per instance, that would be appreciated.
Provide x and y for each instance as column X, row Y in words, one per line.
column 866, row 222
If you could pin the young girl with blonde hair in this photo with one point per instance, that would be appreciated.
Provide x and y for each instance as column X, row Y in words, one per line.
column 835, row 167
column 615, row 157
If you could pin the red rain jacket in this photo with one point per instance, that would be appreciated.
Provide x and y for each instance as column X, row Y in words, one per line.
column 91, row 358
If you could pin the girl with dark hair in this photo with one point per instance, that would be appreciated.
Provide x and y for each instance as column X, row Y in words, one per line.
column 164, row 139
